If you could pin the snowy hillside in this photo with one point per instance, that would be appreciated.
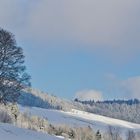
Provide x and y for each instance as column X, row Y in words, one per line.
column 123, row 111
column 63, row 124
column 9, row 132
column 81, row 118
column 33, row 97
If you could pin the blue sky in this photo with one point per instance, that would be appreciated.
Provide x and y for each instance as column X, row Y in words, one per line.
column 86, row 49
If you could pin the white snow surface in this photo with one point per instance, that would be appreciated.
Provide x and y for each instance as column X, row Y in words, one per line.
column 72, row 118
column 81, row 118
column 10, row 132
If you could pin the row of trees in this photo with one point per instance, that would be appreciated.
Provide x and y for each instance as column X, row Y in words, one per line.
column 128, row 102
column 13, row 76
column 123, row 110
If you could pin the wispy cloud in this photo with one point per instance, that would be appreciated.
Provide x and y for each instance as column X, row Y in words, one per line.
column 126, row 88
column 86, row 95
column 131, row 87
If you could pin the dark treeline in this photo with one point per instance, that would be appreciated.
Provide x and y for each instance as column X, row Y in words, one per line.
column 128, row 110
column 119, row 101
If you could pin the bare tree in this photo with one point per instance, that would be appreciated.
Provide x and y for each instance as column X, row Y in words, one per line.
column 113, row 133
column 13, row 77
column 131, row 135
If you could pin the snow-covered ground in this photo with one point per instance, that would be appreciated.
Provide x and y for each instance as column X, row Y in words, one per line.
column 73, row 118
column 10, row 132
column 80, row 118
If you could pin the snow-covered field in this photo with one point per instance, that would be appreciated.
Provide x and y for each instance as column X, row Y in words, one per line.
column 73, row 118
column 80, row 118
column 10, row 132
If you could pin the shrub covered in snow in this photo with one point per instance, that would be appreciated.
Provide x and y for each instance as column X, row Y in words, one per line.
column 74, row 133
column 25, row 120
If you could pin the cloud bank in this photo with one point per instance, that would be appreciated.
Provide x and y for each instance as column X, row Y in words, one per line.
column 108, row 24
column 126, row 88
column 131, row 87
column 118, row 89
column 87, row 95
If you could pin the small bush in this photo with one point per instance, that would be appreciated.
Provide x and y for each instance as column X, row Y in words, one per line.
column 32, row 122
column 74, row 133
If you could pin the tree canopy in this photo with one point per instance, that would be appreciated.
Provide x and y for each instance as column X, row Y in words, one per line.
column 13, row 77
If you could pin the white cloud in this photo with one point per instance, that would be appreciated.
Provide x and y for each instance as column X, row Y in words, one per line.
column 115, row 89
column 126, row 88
column 87, row 95
column 112, row 25
column 131, row 87
column 108, row 23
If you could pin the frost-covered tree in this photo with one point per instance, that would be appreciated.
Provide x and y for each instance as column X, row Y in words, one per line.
column 131, row 135
column 13, row 77
column 113, row 133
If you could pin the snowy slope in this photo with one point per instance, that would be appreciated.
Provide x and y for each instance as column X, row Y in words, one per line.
column 73, row 118
column 80, row 118
column 103, row 119
column 9, row 132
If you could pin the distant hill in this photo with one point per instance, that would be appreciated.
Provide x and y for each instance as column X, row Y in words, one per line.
column 120, row 109
column 37, row 98
column 128, row 110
